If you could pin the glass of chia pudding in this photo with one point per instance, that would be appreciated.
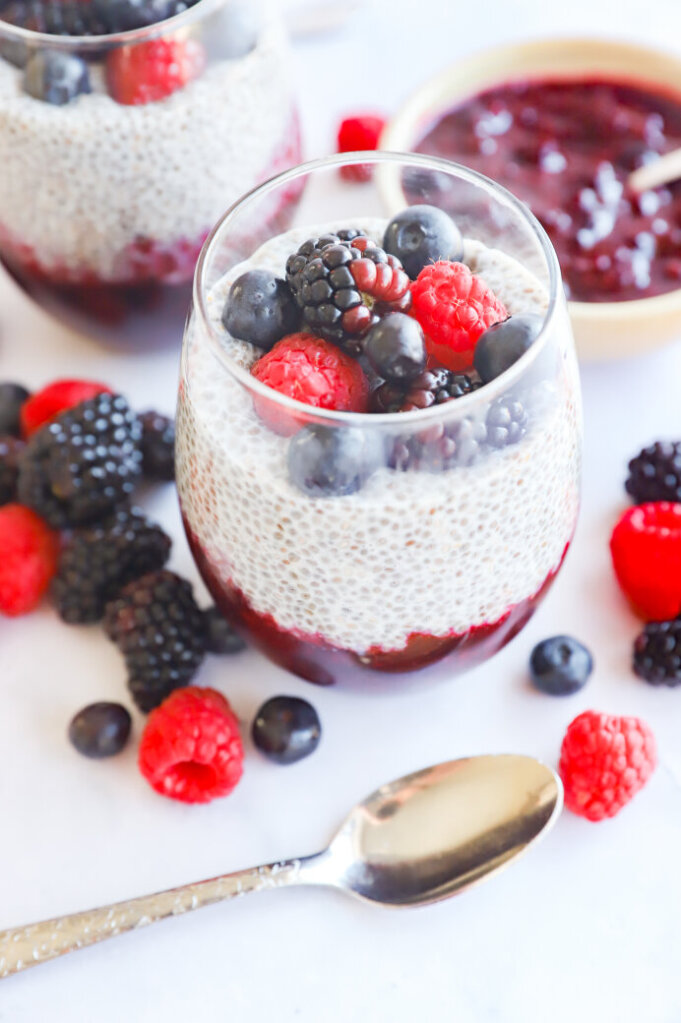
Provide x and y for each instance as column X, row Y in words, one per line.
column 126, row 128
column 378, row 434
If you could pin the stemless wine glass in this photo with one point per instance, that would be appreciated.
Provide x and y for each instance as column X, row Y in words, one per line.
column 348, row 544
column 110, row 183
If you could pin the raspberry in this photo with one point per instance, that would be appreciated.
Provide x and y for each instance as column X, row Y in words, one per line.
column 10, row 450
column 646, row 554
column 655, row 473
column 191, row 749
column 314, row 372
column 358, row 134
column 28, row 559
column 604, row 761
column 454, row 307
column 43, row 406
column 657, row 653
column 153, row 70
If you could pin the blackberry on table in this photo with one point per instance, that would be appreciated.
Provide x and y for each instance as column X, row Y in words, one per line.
column 10, row 450
column 432, row 387
column 221, row 636
column 158, row 446
column 78, row 467
column 100, row 560
column 158, row 627
column 12, row 397
column 657, row 653
column 655, row 473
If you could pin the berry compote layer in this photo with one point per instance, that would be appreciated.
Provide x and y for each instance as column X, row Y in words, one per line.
column 429, row 554
column 566, row 147
column 115, row 165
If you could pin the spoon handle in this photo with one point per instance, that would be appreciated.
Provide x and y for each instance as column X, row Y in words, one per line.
column 22, row 947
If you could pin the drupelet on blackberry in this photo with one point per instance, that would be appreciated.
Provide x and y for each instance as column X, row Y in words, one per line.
column 82, row 464
column 432, row 387
column 657, row 653
column 100, row 560
column 160, row 630
column 10, row 450
column 655, row 473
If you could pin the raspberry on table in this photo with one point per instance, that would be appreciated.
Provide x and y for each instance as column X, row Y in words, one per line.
column 81, row 465
column 10, row 450
column 604, row 761
column 46, row 404
column 156, row 624
column 28, row 559
column 191, row 749
column 355, row 134
column 646, row 554
column 454, row 307
column 655, row 473
column 153, row 70
column 98, row 561
column 432, row 387
column 657, row 653
column 158, row 446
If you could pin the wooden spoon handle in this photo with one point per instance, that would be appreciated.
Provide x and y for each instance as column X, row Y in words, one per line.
column 660, row 172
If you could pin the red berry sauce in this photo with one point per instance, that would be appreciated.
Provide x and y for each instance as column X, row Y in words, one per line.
column 566, row 148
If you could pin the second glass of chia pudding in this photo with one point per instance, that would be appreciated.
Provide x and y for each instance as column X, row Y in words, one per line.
column 379, row 427
column 126, row 128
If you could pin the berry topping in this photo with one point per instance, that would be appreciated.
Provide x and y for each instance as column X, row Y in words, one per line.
column 342, row 283
column 99, row 561
column 646, row 555
column 454, row 307
column 152, row 70
column 560, row 665
column 432, row 387
column 314, row 372
column 655, row 473
column 43, row 406
column 12, row 397
column 506, row 422
column 421, row 235
column 158, row 627
column 55, row 77
column 286, row 729
column 28, row 559
column 221, row 636
column 357, row 134
column 328, row 462
column 82, row 464
column 604, row 761
column 503, row 343
column 100, row 730
column 260, row 309
column 158, row 446
column 657, row 653
column 191, row 749
column 10, row 450
column 395, row 348
column 125, row 15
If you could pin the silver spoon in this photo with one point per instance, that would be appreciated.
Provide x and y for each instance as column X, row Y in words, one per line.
column 416, row 840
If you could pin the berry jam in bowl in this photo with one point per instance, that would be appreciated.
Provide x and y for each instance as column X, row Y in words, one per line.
column 378, row 432
column 563, row 124
column 126, row 128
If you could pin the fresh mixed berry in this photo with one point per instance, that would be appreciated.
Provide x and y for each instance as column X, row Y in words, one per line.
column 655, row 473
column 560, row 665
column 10, row 451
column 504, row 343
column 12, row 399
column 657, row 653
column 221, row 636
column 421, row 235
column 151, row 71
column 646, row 554
column 260, row 309
column 432, row 387
column 395, row 349
column 286, row 729
column 56, row 77
column 46, row 404
column 158, row 446
column 28, row 559
column 358, row 134
column 100, row 730
column 325, row 461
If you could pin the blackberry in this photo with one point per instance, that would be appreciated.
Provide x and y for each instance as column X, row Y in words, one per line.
column 82, row 464
column 655, row 473
column 158, row 446
column 657, row 653
column 343, row 283
column 12, row 397
column 10, row 450
column 158, row 627
column 100, row 560
column 506, row 422
column 221, row 637
column 432, row 387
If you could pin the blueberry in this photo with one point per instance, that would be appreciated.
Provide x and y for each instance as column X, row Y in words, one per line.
column 396, row 349
column 100, row 730
column 502, row 344
column 126, row 15
column 56, row 77
column 560, row 665
column 286, row 729
column 12, row 397
column 420, row 235
column 221, row 637
column 328, row 462
column 260, row 308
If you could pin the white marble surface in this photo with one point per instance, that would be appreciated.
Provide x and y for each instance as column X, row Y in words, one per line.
column 584, row 928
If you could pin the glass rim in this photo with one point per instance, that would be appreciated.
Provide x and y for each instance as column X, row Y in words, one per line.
column 93, row 43
column 488, row 392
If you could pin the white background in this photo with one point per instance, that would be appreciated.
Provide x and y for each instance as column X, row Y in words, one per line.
column 585, row 928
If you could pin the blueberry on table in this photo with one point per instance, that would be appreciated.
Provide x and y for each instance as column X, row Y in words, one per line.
column 100, row 730
column 260, row 308
column 56, row 77
column 12, row 397
column 560, row 665
column 286, row 729
column 420, row 235
column 396, row 349
column 328, row 462
column 503, row 344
